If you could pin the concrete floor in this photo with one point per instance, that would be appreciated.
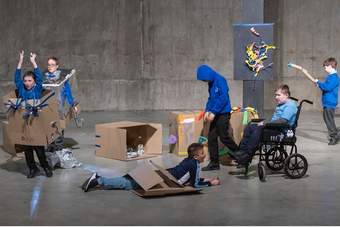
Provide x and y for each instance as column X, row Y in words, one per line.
column 312, row 200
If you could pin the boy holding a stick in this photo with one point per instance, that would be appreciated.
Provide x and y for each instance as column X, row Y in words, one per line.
column 329, row 90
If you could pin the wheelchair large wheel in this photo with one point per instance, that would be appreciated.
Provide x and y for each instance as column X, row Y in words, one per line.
column 275, row 158
column 261, row 172
column 296, row 166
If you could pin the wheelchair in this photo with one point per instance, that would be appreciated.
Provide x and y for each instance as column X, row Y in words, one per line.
column 277, row 149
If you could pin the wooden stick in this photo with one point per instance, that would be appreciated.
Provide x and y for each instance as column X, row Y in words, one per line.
column 303, row 70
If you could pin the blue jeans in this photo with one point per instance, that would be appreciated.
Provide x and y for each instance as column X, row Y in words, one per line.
column 124, row 182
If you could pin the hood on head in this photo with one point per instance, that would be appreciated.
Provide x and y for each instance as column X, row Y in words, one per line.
column 205, row 73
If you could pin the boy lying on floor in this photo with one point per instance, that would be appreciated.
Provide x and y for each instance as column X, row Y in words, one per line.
column 186, row 172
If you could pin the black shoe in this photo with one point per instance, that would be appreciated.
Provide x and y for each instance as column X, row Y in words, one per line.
column 235, row 154
column 244, row 159
column 48, row 172
column 211, row 166
column 91, row 182
column 333, row 141
column 32, row 172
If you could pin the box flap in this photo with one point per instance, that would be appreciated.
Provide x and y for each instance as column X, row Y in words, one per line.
column 166, row 173
column 145, row 176
column 165, row 192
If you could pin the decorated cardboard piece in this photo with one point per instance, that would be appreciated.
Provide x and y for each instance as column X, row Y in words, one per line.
column 66, row 112
column 253, row 52
column 113, row 139
column 156, row 181
column 34, row 130
column 185, row 128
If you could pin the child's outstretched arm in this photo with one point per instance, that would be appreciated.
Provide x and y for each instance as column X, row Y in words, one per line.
column 17, row 76
column 21, row 59
column 37, row 71
column 67, row 92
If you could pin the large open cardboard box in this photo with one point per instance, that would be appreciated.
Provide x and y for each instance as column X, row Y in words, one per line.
column 113, row 139
column 156, row 181
column 36, row 131
column 187, row 129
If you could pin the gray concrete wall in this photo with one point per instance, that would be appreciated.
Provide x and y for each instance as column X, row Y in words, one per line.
column 307, row 33
column 130, row 54
column 142, row 54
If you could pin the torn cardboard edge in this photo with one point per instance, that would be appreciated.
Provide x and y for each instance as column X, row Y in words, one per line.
column 156, row 181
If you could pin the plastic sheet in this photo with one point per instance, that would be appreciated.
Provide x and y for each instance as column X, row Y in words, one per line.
column 63, row 158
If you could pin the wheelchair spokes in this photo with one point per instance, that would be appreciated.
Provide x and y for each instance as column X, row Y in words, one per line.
column 275, row 158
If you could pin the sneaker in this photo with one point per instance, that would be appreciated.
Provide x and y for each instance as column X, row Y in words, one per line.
column 235, row 154
column 211, row 166
column 333, row 141
column 48, row 172
column 91, row 182
column 32, row 172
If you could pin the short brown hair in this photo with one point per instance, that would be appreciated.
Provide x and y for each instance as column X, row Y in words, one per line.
column 54, row 59
column 193, row 149
column 330, row 61
column 29, row 74
column 284, row 89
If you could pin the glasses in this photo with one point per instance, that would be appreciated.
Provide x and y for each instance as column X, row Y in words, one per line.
column 51, row 65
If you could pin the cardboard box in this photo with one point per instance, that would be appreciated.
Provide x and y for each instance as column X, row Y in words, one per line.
column 238, row 123
column 113, row 139
column 36, row 131
column 186, row 128
column 156, row 181
column 8, row 145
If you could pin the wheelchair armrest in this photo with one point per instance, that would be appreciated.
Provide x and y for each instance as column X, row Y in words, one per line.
column 273, row 125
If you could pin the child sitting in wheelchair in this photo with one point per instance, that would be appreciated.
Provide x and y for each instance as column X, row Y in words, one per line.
column 285, row 113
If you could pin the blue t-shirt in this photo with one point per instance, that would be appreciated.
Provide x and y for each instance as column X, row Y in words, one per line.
column 286, row 111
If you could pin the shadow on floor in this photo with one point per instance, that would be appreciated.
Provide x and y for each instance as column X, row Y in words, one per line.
column 12, row 165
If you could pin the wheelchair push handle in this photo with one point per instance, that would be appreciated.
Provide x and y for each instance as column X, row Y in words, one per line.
column 307, row 101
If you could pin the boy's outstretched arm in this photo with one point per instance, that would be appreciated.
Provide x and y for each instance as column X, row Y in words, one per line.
column 37, row 71
column 32, row 58
column 67, row 92
column 17, row 76
column 21, row 59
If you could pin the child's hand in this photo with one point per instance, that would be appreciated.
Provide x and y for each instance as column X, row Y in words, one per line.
column 211, row 116
column 215, row 181
column 21, row 56
column 32, row 57
column 206, row 114
column 21, row 59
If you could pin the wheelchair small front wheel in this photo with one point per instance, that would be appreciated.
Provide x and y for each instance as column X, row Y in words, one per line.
column 296, row 166
column 275, row 158
column 261, row 172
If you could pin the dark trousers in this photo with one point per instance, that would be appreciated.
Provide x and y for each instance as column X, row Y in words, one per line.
column 328, row 117
column 251, row 138
column 219, row 128
column 40, row 151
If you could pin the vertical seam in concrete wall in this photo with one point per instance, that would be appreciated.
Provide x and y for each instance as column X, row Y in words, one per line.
column 141, row 24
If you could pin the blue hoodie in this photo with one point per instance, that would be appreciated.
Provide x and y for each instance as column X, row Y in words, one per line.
column 329, row 90
column 188, row 171
column 218, row 102
column 35, row 91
